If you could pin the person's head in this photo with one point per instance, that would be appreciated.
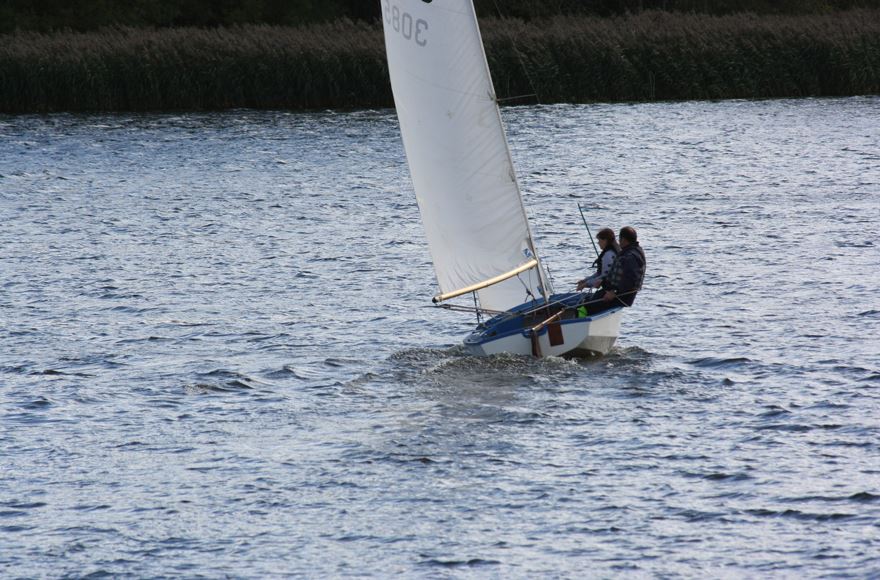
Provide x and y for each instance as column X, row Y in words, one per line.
column 606, row 238
column 628, row 236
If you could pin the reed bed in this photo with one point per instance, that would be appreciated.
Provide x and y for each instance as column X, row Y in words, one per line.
column 663, row 56
column 649, row 56
column 338, row 65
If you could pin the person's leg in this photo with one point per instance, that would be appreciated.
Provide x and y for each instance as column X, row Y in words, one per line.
column 596, row 305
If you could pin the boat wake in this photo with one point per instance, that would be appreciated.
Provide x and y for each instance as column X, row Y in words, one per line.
column 451, row 366
column 454, row 372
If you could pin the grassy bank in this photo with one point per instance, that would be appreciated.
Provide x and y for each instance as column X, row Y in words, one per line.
column 340, row 65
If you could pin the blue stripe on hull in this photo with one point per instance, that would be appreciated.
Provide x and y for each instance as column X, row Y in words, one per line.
column 509, row 323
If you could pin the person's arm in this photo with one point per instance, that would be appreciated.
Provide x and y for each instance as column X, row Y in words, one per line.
column 587, row 282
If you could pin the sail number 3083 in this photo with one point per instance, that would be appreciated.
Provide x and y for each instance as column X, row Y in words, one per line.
column 403, row 23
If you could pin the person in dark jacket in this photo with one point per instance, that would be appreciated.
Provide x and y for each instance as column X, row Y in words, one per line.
column 624, row 280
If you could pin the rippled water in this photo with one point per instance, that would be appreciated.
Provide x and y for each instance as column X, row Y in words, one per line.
column 216, row 355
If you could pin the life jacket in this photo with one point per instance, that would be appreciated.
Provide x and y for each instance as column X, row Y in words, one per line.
column 642, row 264
column 631, row 258
column 597, row 263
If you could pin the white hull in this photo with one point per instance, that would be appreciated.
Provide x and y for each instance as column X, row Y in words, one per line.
column 580, row 337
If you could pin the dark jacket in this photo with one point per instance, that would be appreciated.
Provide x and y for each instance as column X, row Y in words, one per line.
column 627, row 273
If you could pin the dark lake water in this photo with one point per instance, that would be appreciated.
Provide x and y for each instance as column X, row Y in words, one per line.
column 217, row 355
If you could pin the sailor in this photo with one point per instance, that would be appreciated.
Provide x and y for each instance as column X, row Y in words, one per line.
column 610, row 250
column 624, row 279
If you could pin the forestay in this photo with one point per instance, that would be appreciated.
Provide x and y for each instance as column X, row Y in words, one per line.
column 458, row 156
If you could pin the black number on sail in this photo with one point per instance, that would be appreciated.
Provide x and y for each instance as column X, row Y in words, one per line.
column 403, row 23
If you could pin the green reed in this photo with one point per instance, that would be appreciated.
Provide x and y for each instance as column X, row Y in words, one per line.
column 342, row 65
column 677, row 56
column 335, row 65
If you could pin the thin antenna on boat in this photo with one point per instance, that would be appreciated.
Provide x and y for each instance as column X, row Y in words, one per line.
column 592, row 241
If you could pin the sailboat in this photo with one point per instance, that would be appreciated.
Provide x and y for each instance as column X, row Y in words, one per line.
column 468, row 194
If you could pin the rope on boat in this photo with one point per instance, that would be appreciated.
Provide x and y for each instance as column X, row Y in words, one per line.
column 505, row 99
column 459, row 308
column 477, row 308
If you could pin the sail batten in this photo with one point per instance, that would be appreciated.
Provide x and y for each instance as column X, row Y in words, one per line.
column 457, row 151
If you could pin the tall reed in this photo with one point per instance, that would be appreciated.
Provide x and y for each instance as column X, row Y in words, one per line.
column 338, row 65
column 660, row 55
column 342, row 65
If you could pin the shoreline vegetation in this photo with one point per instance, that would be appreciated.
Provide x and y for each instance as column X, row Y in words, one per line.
column 339, row 65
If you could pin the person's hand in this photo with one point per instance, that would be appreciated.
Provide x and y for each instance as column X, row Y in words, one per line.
column 581, row 285
column 609, row 296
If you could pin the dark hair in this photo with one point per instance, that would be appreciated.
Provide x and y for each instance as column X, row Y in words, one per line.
column 607, row 234
column 629, row 234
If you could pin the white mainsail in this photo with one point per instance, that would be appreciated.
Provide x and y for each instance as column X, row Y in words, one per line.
column 458, row 156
